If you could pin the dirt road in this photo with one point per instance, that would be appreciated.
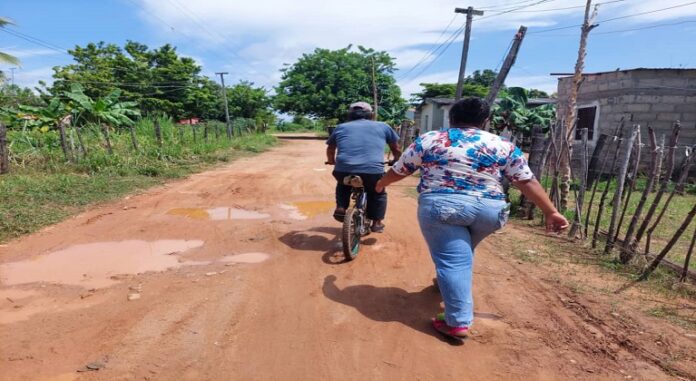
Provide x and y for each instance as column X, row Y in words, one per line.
column 234, row 274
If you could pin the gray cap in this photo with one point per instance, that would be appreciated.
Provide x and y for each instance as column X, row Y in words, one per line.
column 361, row 105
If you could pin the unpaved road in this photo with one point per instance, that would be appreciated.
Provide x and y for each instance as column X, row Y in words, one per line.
column 286, row 309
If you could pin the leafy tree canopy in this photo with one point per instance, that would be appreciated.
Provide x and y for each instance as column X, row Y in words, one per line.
column 323, row 83
column 159, row 80
column 247, row 101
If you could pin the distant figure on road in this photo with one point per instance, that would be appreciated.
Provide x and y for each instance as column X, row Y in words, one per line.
column 360, row 143
column 462, row 200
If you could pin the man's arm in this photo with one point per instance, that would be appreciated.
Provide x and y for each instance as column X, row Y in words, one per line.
column 331, row 154
column 396, row 151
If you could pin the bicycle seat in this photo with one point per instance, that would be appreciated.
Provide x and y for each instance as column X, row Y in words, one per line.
column 353, row 181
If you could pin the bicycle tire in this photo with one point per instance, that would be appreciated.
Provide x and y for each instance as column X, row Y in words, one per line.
column 351, row 234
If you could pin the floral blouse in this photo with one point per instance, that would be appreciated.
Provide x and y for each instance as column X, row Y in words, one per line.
column 465, row 161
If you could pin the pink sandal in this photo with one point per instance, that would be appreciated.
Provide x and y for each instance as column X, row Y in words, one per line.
column 453, row 332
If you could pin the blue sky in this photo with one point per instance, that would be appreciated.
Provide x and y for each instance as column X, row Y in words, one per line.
column 252, row 39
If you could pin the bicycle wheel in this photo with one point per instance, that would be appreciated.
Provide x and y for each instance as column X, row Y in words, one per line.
column 351, row 234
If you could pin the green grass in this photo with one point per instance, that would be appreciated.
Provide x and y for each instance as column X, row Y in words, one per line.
column 43, row 188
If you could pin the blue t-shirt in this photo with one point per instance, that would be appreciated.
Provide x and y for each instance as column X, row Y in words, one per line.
column 361, row 145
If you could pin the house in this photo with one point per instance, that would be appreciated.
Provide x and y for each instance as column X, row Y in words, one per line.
column 433, row 113
column 655, row 97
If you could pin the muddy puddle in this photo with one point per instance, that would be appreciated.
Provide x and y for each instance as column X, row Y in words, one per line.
column 93, row 265
column 245, row 258
column 302, row 210
column 218, row 214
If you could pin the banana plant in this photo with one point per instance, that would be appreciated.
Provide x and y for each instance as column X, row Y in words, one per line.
column 105, row 112
column 512, row 113
column 5, row 57
column 54, row 115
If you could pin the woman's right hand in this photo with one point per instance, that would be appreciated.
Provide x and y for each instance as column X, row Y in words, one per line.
column 555, row 222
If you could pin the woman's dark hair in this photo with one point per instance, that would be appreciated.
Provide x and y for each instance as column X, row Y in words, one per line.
column 358, row 113
column 469, row 112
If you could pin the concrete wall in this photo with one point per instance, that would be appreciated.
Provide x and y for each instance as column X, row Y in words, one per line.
column 432, row 116
column 651, row 96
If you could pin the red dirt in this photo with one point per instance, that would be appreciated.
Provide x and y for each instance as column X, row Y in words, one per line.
column 298, row 313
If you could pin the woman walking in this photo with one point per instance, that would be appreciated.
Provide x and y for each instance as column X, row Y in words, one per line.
column 462, row 200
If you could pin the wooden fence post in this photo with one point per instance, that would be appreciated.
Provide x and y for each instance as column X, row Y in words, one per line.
column 83, row 148
column 158, row 132
column 134, row 139
column 656, row 158
column 675, row 238
column 664, row 183
column 105, row 131
column 4, row 151
column 687, row 154
column 685, row 167
column 685, row 271
column 577, row 220
column 603, row 198
column 537, row 154
column 63, row 140
column 620, row 180
column 596, row 162
column 629, row 190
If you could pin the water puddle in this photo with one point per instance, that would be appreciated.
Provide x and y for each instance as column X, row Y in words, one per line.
column 245, row 258
column 302, row 210
column 93, row 265
column 218, row 214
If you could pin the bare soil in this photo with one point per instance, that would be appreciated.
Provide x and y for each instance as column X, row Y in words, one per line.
column 258, row 291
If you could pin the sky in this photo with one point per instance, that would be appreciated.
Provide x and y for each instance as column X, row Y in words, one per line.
column 253, row 40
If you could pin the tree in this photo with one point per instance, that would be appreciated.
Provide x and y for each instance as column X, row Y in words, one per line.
column 535, row 93
column 512, row 113
column 11, row 96
column 5, row 57
column 323, row 83
column 447, row 90
column 247, row 101
column 483, row 78
column 159, row 80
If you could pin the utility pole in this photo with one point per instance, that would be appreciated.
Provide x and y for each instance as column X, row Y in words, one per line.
column 507, row 65
column 12, row 69
column 470, row 13
column 227, row 107
column 374, row 90
column 571, row 107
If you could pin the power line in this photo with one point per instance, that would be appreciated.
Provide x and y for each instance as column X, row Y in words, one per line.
column 34, row 40
column 448, row 41
column 655, row 26
column 538, row 2
column 616, row 18
column 216, row 35
column 506, row 6
column 453, row 36
column 429, row 53
column 564, row 8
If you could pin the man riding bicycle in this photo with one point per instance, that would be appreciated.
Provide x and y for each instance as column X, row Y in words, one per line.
column 360, row 143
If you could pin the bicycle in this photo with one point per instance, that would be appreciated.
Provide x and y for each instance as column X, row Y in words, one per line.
column 356, row 225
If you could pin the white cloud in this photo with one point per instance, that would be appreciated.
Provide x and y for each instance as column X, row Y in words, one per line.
column 31, row 78
column 259, row 36
column 28, row 53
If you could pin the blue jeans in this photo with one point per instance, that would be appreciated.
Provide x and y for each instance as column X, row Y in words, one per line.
column 453, row 225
